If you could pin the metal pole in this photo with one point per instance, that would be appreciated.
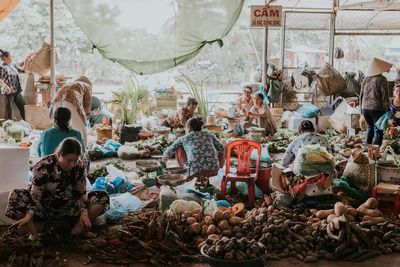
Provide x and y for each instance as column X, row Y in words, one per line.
column 283, row 39
column 265, row 54
column 265, row 58
column 53, row 83
column 332, row 30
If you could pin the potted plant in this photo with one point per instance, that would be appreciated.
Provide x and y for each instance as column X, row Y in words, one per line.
column 197, row 92
column 134, row 100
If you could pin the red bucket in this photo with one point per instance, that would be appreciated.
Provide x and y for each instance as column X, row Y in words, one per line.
column 262, row 181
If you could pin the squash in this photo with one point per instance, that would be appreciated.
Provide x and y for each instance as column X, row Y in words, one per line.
column 237, row 208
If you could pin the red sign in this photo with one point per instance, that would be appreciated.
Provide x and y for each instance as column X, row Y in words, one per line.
column 266, row 16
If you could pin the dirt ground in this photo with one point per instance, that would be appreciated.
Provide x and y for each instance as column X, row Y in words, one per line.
column 392, row 260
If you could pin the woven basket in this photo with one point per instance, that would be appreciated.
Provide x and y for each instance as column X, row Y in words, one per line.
column 101, row 134
column 362, row 176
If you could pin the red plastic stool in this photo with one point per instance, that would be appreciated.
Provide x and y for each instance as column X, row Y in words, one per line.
column 388, row 203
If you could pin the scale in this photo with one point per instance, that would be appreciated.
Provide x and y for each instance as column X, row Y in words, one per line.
column 148, row 166
column 161, row 162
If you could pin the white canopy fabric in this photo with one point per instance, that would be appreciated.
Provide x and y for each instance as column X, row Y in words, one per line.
column 132, row 32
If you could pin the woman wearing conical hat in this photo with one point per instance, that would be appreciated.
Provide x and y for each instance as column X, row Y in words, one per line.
column 375, row 98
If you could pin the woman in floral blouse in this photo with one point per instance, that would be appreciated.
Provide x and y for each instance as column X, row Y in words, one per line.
column 57, row 195
column 202, row 148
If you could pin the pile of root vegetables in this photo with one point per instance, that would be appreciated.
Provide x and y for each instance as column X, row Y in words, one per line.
column 343, row 233
column 148, row 237
column 167, row 238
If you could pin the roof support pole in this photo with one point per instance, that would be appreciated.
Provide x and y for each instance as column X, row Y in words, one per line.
column 53, row 83
column 265, row 55
column 332, row 31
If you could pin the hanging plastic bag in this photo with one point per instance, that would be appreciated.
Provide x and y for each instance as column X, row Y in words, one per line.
column 353, row 88
column 121, row 204
column 275, row 83
column 383, row 121
column 329, row 80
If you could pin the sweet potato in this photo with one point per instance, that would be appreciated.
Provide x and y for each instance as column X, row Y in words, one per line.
column 369, row 212
column 352, row 211
column 323, row 214
column 371, row 203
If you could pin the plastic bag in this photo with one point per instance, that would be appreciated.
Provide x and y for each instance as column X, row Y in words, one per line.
column 210, row 206
column 167, row 197
column 383, row 121
column 180, row 206
column 338, row 119
column 104, row 184
column 313, row 160
column 128, row 152
column 122, row 203
column 308, row 111
column 353, row 88
column 265, row 157
column 330, row 81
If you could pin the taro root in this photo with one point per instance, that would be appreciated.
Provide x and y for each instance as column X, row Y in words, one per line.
column 211, row 229
column 191, row 220
column 223, row 225
column 217, row 216
column 208, row 220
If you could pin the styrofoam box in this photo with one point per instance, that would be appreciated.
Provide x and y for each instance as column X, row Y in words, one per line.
column 14, row 166
column 294, row 122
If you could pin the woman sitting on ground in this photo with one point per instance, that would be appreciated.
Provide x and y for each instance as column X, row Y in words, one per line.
column 203, row 150
column 51, row 138
column 308, row 136
column 179, row 119
column 262, row 115
column 57, row 195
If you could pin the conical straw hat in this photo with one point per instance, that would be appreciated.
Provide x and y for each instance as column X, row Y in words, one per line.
column 378, row 66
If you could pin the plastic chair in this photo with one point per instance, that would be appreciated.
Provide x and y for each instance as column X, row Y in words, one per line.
column 243, row 149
